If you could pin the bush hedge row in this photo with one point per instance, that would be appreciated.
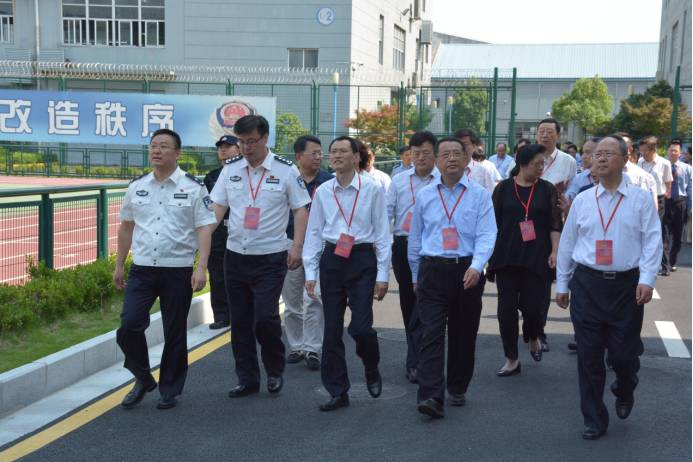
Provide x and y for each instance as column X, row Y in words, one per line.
column 51, row 294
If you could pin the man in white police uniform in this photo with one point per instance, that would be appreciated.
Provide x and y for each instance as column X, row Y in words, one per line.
column 259, row 189
column 166, row 216
column 608, row 257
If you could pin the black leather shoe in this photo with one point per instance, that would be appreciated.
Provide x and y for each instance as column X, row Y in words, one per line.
column 312, row 361
column 218, row 325
column 374, row 383
column 412, row 375
column 623, row 408
column 663, row 272
column 510, row 373
column 136, row 395
column 295, row 357
column 536, row 355
column 674, row 269
column 592, row 433
column 432, row 408
column 166, row 402
column 545, row 345
column 240, row 391
column 335, row 403
column 457, row 399
column 572, row 346
column 275, row 384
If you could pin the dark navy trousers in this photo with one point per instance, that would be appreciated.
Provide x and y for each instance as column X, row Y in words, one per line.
column 407, row 298
column 173, row 287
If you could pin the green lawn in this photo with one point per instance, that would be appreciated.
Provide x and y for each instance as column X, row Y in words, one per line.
column 22, row 347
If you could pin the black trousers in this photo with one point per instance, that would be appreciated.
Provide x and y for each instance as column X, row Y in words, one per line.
column 347, row 281
column 442, row 301
column 662, row 212
column 217, row 286
column 544, row 301
column 605, row 315
column 253, row 286
column 407, row 298
column 173, row 287
column 674, row 221
column 524, row 290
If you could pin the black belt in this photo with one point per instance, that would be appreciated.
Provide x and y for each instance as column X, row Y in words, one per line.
column 364, row 246
column 611, row 275
column 448, row 260
column 401, row 238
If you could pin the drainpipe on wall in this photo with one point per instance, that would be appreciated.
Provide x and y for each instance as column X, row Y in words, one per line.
column 38, row 41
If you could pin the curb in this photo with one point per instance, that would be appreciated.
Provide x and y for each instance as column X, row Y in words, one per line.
column 27, row 384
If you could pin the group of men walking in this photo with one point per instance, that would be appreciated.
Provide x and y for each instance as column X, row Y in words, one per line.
column 326, row 242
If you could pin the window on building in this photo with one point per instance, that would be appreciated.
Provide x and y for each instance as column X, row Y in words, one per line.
column 674, row 46
column 137, row 23
column 6, row 21
column 663, row 54
column 303, row 58
column 381, row 40
column 398, row 49
column 683, row 36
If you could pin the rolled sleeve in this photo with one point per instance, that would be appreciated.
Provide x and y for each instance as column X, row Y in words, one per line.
column 218, row 193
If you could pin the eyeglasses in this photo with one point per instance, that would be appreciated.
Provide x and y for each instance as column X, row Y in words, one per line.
column 450, row 154
column 250, row 142
column 421, row 154
column 341, row 152
column 312, row 154
column 605, row 154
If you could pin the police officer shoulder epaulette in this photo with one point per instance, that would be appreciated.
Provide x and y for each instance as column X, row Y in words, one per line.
column 233, row 159
column 283, row 160
column 138, row 177
column 194, row 178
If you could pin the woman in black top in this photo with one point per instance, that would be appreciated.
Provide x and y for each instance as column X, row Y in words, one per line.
column 529, row 228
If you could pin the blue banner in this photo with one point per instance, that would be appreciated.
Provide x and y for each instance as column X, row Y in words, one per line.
column 124, row 118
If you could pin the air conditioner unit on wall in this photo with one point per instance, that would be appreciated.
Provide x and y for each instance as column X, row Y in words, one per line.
column 426, row 32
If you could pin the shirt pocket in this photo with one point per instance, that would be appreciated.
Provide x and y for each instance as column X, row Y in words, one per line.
column 273, row 193
column 180, row 203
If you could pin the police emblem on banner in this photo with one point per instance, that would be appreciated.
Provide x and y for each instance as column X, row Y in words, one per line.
column 223, row 119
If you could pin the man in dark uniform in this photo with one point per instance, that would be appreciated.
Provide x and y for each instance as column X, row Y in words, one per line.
column 166, row 216
column 227, row 148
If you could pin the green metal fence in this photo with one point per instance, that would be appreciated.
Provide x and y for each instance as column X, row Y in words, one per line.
column 62, row 227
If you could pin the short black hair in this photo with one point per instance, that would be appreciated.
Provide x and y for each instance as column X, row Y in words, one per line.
column 464, row 132
column 677, row 142
column 550, row 120
column 448, row 139
column 649, row 142
column 525, row 155
column 521, row 141
column 247, row 124
column 352, row 142
column 171, row 133
column 420, row 137
column 302, row 141
column 403, row 149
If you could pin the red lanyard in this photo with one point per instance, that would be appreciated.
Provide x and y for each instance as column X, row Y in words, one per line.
column 529, row 200
column 450, row 214
column 411, row 188
column 601, row 217
column 353, row 209
column 254, row 191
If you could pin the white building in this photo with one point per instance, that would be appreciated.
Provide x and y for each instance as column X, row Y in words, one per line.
column 675, row 45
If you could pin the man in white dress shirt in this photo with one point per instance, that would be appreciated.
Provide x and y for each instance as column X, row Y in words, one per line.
column 348, row 245
column 501, row 159
column 608, row 257
column 476, row 171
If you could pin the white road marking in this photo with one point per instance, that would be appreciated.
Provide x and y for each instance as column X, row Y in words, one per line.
column 672, row 340
column 655, row 295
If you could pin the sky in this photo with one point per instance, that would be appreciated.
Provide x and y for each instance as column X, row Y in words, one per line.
column 549, row 21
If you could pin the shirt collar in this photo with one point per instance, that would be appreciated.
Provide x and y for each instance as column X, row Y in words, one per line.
column 622, row 188
column 267, row 163
column 174, row 177
column 435, row 173
column 464, row 181
column 354, row 182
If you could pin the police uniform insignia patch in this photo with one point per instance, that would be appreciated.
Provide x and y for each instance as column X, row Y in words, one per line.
column 195, row 179
column 283, row 160
column 142, row 193
column 301, row 183
column 138, row 177
column 180, row 196
column 235, row 178
column 233, row 159
column 272, row 180
column 207, row 201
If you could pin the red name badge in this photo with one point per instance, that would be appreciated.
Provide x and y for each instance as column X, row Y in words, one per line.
column 406, row 224
column 604, row 252
column 527, row 230
column 344, row 245
column 450, row 241
column 251, row 219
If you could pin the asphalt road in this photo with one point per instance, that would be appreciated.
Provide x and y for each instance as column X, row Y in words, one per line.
column 532, row 417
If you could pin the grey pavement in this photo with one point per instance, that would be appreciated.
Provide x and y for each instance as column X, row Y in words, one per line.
column 531, row 417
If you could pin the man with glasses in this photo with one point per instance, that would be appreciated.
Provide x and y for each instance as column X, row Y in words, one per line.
column 452, row 236
column 260, row 190
column 348, row 244
column 303, row 316
column 608, row 256
column 166, row 216
column 401, row 198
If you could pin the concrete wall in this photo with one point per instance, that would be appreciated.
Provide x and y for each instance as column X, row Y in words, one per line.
column 675, row 32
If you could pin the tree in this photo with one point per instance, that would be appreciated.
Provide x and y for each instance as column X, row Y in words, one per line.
column 469, row 107
column 377, row 127
column 649, row 113
column 289, row 128
column 588, row 104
